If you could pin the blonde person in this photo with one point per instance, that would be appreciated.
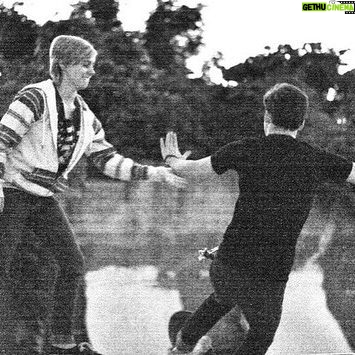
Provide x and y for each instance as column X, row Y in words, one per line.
column 278, row 177
column 43, row 134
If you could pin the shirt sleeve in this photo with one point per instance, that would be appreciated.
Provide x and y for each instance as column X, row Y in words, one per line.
column 26, row 108
column 333, row 167
column 229, row 157
column 104, row 157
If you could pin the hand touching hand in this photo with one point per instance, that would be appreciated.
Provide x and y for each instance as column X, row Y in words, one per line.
column 169, row 147
column 166, row 175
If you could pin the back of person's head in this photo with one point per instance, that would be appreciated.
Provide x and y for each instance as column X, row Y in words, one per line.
column 67, row 50
column 287, row 106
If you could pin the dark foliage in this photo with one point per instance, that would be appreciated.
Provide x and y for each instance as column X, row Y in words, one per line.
column 18, row 35
column 141, row 89
column 163, row 26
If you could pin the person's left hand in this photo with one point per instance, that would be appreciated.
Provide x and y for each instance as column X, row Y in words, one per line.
column 170, row 147
column 167, row 176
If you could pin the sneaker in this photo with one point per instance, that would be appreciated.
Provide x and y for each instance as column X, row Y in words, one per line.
column 202, row 347
column 79, row 349
column 180, row 347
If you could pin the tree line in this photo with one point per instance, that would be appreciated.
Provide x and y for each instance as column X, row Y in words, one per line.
column 142, row 88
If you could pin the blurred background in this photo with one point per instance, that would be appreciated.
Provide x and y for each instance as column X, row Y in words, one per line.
column 141, row 239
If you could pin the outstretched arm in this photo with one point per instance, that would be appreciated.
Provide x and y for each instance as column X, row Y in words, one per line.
column 105, row 157
column 190, row 169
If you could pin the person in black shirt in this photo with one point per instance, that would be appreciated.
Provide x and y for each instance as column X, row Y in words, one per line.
column 278, row 176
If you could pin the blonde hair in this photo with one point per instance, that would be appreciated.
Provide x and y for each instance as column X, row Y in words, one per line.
column 67, row 50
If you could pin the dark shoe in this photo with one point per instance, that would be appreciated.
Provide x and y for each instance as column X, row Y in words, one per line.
column 80, row 349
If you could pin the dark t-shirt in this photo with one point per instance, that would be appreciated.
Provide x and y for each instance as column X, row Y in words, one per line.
column 278, row 176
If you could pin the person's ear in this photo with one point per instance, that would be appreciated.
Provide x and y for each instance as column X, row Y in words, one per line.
column 61, row 65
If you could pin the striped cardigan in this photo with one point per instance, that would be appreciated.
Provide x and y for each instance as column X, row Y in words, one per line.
column 28, row 144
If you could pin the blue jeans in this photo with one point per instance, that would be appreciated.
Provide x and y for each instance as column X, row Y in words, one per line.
column 28, row 219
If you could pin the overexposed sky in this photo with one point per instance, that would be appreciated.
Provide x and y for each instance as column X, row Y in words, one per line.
column 238, row 29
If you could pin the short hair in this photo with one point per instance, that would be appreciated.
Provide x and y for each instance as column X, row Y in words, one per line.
column 67, row 50
column 287, row 106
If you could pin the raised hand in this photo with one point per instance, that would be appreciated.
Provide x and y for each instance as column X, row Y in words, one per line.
column 170, row 148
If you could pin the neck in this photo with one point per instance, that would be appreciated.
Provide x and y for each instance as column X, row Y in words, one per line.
column 272, row 129
column 67, row 93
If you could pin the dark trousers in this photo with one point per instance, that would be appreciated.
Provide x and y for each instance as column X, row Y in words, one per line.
column 30, row 219
column 259, row 299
